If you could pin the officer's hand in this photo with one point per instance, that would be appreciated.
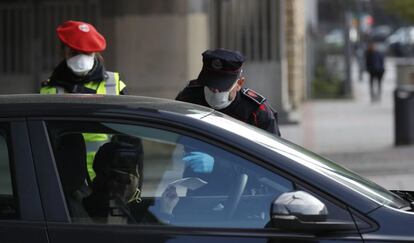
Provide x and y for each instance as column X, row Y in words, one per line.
column 199, row 162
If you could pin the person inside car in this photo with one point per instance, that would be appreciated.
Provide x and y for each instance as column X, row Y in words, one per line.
column 118, row 184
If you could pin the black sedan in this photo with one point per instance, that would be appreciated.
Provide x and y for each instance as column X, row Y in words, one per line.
column 90, row 168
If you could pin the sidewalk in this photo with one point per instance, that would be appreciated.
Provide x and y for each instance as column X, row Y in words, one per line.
column 358, row 134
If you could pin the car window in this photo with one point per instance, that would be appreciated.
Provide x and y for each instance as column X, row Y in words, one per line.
column 151, row 176
column 309, row 159
column 337, row 212
column 214, row 188
column 8, row 205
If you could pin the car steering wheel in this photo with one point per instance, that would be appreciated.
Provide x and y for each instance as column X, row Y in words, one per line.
column 236, row 194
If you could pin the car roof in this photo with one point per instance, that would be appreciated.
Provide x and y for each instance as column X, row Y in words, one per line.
column 188, row 115
column 37, row 104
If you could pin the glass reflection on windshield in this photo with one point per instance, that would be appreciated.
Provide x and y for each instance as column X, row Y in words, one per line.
column 310, row 160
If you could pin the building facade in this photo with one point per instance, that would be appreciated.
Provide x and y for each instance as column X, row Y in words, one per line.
column 156, row 45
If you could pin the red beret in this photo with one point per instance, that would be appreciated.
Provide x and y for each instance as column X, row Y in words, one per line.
column 81, row 36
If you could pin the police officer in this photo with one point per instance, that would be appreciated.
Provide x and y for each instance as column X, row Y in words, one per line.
column 82, row 71
column 220, row 86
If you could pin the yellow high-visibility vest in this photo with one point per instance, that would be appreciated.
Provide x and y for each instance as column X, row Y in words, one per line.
column 110, row 86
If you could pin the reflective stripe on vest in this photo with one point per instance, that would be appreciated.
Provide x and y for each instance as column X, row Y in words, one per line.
column 109, row 87
column 111, row 83
column 60, row 90
column 93, row 146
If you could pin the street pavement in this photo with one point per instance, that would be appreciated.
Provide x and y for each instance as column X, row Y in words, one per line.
column 357, row 133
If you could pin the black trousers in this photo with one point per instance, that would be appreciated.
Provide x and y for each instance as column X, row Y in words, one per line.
column 375, row 79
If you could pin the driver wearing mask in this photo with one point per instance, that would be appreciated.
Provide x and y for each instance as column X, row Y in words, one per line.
column 116, row 189
column 116, row 184
column 220, row 86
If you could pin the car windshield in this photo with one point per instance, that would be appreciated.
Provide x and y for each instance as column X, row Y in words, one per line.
column 309, row 159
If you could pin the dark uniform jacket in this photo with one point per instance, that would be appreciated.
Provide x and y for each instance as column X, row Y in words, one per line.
column 248, row 106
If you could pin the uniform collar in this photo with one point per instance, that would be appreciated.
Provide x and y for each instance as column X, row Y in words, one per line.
column 63, row 76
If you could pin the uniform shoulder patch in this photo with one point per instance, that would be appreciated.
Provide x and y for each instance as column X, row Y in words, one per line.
column 253, row 95
column 194, row 83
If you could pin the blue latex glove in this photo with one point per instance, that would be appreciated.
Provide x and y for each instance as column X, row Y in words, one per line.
column 199, row 162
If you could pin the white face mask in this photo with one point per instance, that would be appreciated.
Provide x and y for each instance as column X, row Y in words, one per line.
column 81, row 64
column 219, row 100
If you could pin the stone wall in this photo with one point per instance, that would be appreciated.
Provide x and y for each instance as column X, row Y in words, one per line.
column 157, row 47
column 296, row 50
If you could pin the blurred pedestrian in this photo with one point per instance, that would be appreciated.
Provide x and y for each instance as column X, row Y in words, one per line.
column 374, row 61
column 220, row 86
column 82, row 70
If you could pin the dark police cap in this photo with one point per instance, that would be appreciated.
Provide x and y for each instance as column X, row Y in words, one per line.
column 221, row 68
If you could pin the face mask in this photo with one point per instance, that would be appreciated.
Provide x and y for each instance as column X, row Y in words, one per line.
column 219, row 100
column 81, row 64
column 136, row 197
column 132, row 189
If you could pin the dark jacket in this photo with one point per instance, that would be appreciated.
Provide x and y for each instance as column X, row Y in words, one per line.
column 248, row 106
column 374, row 61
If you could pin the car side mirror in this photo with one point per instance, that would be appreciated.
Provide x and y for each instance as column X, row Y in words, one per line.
column 300, row 211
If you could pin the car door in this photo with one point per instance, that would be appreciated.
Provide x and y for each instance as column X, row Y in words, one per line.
column 21, row 215
column 190, row 188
